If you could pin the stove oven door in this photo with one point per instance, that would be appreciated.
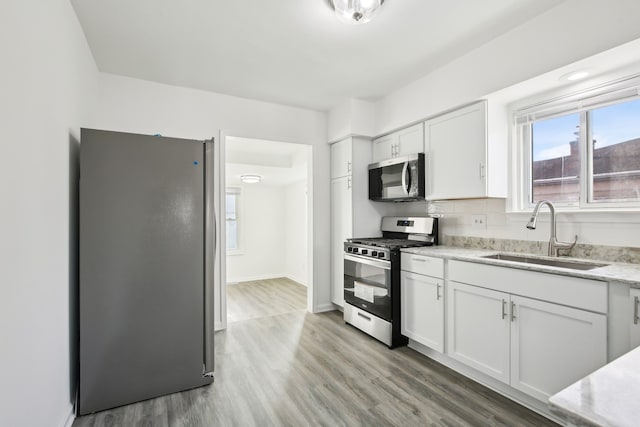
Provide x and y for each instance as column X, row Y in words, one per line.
column 367, row 284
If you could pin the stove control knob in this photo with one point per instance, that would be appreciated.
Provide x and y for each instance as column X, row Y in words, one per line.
column 380, row 254
column 355, row 250
column 374, row 253
column 349, row 249
column 364, row 252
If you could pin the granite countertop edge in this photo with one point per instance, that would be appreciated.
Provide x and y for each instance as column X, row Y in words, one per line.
column 592, row 401
column 612, row 272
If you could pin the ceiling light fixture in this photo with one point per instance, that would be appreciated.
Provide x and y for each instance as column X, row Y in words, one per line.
column 574, row 75
column 356, row 11
column 250, row 179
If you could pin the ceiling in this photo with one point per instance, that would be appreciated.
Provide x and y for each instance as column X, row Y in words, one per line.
column 278, row 163
column 291, row 52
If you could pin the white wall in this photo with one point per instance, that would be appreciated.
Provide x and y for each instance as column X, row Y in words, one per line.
column 353, row 117
column 132, row 105
column 262, row 227
column 571, row 31
column 46, row 79
column 295, row 233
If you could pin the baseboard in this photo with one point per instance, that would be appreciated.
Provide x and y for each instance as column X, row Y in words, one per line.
column 487, row 381
column 236, row 280
column 324, row 307
column 297, row 280
column 71, row 417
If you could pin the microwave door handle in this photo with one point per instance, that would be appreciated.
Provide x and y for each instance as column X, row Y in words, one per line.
column 405, row 168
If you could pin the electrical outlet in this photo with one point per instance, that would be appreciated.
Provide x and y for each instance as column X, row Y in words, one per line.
column 479, row 221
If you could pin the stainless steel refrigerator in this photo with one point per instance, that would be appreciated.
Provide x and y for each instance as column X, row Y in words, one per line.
column 147, row 245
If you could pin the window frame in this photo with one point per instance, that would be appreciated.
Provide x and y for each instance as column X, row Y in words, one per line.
column 237, row 192
column 582, row 102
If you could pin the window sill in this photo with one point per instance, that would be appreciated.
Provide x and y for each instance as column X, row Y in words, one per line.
column 616, row 215
column 235, row 252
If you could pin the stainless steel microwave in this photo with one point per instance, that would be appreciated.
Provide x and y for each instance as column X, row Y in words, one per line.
column 398, row 180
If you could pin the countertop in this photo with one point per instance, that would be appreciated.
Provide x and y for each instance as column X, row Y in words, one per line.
column 607, row 397
column 612, row 272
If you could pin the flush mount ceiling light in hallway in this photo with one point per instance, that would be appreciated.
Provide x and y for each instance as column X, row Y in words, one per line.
column 356, row 11
column 250, row 179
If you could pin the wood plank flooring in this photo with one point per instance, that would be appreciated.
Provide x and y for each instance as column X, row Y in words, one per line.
column 261, row 298
column 302, row 369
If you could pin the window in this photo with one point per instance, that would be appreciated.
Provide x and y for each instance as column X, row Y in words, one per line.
column 583, row 151
column 232, row 201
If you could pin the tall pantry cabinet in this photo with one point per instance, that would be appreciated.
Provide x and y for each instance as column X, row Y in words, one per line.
column 352, row 213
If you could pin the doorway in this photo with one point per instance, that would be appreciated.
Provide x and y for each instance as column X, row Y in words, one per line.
column 266, row 228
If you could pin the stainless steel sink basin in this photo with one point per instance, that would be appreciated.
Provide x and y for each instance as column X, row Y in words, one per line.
column 574, row 265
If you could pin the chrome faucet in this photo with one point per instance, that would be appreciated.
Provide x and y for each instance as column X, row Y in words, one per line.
column 554, row 244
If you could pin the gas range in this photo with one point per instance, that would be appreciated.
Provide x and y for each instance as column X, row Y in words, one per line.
column 380, row 247
column 372, row 275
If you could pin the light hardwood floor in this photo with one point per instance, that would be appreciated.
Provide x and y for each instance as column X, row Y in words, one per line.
column 261, row 298
column 301, row 369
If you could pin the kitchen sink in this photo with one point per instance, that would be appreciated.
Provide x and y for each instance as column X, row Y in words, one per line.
column 574, row 265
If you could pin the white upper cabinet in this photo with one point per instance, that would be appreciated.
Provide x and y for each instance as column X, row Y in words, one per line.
column 400, row 143
column 461, row 161
column 410, row 140
column 341, row 159
column 383, row 148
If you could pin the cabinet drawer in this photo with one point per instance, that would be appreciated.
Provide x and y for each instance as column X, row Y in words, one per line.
column 429, row 266
column 586, row 294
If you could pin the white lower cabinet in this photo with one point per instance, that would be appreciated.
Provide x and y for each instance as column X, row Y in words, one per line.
column 478, row 328
column 422, row 303
column 536, row 347
column 634, row 329
column 553, row 346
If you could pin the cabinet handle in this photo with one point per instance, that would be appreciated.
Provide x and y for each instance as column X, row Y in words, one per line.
column 513, row 311
column 418, row 259
column 481, row 171
column 348, row 166
column 348, row 182
column 438, row 292
column 636, row 302
column 504, row 309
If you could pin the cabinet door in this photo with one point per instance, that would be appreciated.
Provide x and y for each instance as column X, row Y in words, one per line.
column 634, row 318
column 422, row 309
column 341, row 158
column 456, row 154
column 410, row 140
column 384, row 148
column 341, row 229
column 478, row 328
column 552, row 346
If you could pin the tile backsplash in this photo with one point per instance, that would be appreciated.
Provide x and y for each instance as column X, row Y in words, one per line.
column 484, row 223
column 594, row 252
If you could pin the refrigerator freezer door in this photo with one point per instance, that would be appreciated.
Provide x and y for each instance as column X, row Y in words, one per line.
column 141, row 268
column 209, row 259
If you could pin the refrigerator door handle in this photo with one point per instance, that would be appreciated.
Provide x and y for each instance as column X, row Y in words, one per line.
column 209, row 259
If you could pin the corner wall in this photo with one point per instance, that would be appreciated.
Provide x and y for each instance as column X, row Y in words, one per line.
column 47, row 79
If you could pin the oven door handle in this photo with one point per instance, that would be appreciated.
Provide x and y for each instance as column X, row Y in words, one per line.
column 386, row 265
